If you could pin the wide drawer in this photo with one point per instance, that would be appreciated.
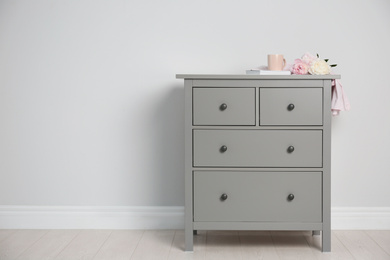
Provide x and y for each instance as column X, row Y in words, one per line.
column 257, row 196
column 224, row 106
column 290, row 106
column 257, row 148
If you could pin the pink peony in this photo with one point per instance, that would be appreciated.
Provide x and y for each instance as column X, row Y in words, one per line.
column 300, row 67
column 308, row 58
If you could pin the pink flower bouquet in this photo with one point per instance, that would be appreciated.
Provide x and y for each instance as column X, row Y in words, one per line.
column 310, row 64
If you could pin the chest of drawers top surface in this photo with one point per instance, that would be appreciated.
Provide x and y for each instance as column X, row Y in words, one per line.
column 243, row 76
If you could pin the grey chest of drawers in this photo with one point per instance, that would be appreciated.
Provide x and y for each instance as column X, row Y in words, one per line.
column 257, row 153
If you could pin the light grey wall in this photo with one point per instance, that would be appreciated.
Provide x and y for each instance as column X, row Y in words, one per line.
column 91, row 112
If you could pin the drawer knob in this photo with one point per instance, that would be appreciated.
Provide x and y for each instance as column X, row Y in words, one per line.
column 224, row 197
column 290, row 149
column 290, row 107
column 223, row 107
column 290, row 197
column 223, row 148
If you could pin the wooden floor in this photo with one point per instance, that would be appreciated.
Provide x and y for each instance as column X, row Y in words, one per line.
column 169, row 244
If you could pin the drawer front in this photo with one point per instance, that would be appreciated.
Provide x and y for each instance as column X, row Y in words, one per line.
column 257, row 196
column 257, row 148
column 224, row 106
column 290, row 106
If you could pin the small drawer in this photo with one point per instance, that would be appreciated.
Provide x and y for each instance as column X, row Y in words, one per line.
column 257, row 148
column 258, row 196
column 224, row 106
column 290, row 106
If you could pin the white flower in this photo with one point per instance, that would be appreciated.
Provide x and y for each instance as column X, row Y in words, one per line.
column 319, row 67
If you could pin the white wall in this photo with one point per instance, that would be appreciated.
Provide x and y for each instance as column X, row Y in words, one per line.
column 91, row 113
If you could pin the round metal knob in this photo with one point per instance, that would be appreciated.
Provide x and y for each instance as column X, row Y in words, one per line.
column 290, row 197
column 223, row 107
column 290, row 149
column 224, row 197
column 290, row 107
column 223, row 148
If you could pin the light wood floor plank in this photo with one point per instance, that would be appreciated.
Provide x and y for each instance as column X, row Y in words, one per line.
column 208, row 245
column 154, row 244
column 222, row 233
column 339, row 251
column 382, row 238
column 292, row 245
column 120, row 245
column 361, row 245
column 85, row 245
column 49, row 245
column 4, row 233
column 15, row 244
column 177, row 249
column 217, row 243
column 257, row 245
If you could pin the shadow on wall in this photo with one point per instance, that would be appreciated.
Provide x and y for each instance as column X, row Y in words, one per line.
column 167, row 161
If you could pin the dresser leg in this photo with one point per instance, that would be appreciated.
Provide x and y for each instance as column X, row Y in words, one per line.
column 189, row 239
column 315, row 233
column 326, row 240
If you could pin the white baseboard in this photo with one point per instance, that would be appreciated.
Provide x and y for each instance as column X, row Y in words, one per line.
column 69, row 217
column 361, row 218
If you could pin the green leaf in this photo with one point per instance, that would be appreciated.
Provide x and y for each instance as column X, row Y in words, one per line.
column 333, row 65
column 318, row 55
column 326, row 60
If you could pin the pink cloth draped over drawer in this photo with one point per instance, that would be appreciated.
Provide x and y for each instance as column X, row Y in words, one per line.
column 339, row 99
